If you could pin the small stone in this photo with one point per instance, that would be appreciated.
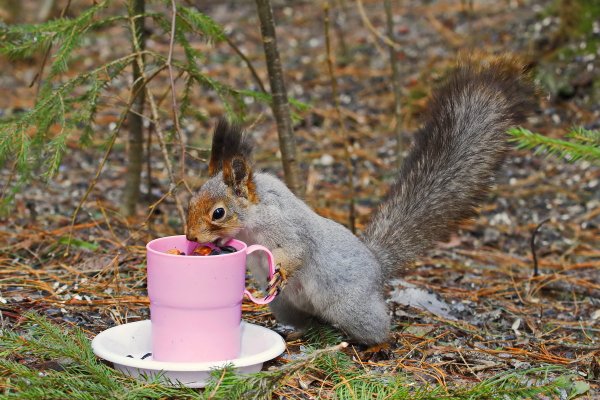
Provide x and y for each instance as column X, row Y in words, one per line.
column 326, row 160
column 490, row 235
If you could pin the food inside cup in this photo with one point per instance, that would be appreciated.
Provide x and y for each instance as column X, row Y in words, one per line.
column 176, row 252
column 205, row 250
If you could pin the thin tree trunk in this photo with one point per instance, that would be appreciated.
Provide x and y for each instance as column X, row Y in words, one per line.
column 281, row 107
column 395, row 83
column 135, row 153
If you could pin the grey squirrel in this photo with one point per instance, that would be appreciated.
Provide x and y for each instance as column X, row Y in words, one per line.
column 332, row 275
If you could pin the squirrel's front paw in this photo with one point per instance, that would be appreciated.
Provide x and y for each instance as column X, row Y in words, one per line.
column 277, row 282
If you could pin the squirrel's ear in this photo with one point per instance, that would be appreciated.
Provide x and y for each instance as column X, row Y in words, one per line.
column 237, row 174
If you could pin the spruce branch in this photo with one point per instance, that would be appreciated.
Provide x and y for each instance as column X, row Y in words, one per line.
column 71, row 36
column 202, row 24
column 585, row 136
column 584, row 144
column 132, row 95
column 27, row 141
column 75, row 373
column 55, row 106
column 38, row 77
column 227, row 385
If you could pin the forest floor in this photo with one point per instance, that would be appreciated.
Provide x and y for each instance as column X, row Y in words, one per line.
column 469, row 310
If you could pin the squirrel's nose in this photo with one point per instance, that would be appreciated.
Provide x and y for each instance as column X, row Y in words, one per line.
column 191, row 238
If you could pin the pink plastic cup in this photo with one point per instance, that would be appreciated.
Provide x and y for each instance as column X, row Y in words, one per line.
column 196, row 301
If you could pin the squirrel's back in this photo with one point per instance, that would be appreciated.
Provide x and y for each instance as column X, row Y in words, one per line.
column 452, row 163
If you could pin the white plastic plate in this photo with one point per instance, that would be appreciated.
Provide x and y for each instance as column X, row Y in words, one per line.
column 259, row 344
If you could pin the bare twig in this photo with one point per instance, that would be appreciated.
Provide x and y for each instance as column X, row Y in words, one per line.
column 174, row 95
column 533, row 250
column 280, row 104
column 239, row 52
column 159, row 131
column 395, row 83
column 153, row 206
column 165, row 153
column 385, row 39
column 98, row 172
column 149, row 163
column 347, row 145
column 453, row 38
column 339, row 22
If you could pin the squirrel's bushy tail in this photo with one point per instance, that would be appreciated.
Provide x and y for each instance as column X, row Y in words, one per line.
column 452, row 163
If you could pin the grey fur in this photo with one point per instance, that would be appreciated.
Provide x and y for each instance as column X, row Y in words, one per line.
column 452, row 163
column 337, row 278
column 338, row 281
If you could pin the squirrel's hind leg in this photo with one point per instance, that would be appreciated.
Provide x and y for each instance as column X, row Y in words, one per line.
column 366, row 321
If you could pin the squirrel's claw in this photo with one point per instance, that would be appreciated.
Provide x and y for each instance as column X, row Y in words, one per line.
column 276, row 283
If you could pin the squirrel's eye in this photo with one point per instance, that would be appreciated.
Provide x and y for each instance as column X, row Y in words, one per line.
column 218, row 213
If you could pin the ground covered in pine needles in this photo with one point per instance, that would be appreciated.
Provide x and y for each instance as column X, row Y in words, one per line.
column 471, row 320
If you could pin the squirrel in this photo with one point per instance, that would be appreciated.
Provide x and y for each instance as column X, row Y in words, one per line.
column 333, row 276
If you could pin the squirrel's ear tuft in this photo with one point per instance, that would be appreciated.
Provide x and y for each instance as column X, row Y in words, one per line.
column 228, row 142
column 232, row 153
column 237, row 174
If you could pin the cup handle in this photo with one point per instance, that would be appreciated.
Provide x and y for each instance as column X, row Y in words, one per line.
column 267, row 299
